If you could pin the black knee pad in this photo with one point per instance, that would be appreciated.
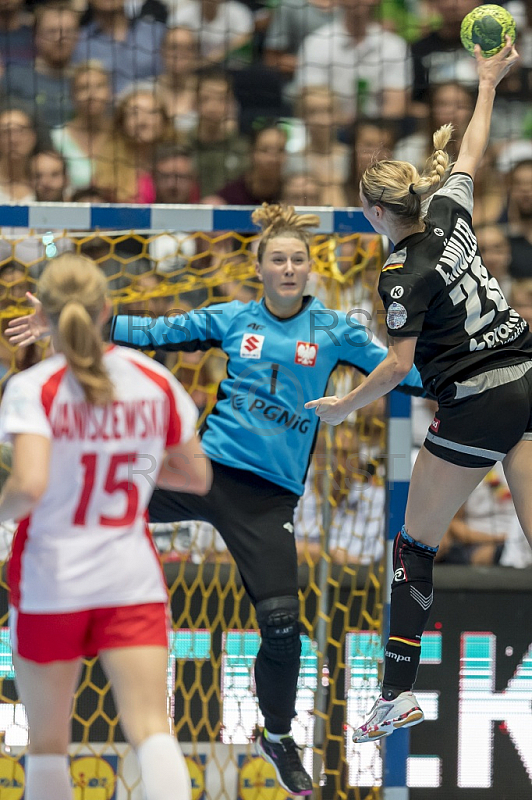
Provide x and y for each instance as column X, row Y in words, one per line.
column 412, row 561
column 278, row 619
column 411, row 587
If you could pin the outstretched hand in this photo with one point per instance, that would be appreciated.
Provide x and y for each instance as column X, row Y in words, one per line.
column 29, row 328
column 495, row 68
column 329, row 409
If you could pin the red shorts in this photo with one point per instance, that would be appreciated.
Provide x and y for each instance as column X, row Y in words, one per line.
column 63, row 637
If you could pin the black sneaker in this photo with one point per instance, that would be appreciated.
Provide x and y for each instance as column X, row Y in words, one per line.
column 285, row 759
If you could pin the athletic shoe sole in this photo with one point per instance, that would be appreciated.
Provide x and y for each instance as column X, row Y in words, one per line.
column 263, row 754
column 408, row 720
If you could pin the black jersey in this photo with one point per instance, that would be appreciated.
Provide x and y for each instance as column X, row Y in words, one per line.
column 434, row 286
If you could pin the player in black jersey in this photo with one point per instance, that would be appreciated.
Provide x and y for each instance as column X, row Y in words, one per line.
column 446, row 314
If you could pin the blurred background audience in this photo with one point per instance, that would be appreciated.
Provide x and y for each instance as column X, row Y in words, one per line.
column 257, row 91
column 129, row 48
column 45, row 80
column 238, row 102
column 88, row 132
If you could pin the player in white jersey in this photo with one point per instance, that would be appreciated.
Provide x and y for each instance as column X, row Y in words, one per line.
column 93, row 429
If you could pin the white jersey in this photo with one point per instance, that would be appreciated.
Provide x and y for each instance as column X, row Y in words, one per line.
column 86, row 544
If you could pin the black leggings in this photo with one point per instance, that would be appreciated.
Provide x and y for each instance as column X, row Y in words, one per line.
column 255, row 518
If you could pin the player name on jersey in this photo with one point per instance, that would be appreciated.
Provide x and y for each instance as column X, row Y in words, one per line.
column 459, row 252
column 123, row 419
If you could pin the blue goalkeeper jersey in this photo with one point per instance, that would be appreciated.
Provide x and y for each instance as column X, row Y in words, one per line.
column 274, row 367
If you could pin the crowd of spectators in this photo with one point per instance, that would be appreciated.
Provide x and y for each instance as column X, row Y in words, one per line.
column 256, row 99
column 243, row 101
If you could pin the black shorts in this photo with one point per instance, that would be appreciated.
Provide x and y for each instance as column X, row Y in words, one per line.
column 479, row 420
column 256, row 520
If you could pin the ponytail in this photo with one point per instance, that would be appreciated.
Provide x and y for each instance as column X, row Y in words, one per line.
column 72, row 290
column 399, row 186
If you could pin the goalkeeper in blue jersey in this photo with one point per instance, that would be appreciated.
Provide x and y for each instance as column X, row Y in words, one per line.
column 259, row 437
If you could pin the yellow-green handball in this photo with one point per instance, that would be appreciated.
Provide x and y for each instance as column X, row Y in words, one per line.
column 487, row 26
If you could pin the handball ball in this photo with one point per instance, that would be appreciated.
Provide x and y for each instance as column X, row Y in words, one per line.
column 487, row 26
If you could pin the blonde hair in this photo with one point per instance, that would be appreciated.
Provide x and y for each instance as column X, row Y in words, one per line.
column 398, row 185
column 72, row 290
column 280, row 220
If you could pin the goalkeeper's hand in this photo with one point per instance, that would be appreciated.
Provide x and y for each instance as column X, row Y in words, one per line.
column 28, row 329
column 329, row 409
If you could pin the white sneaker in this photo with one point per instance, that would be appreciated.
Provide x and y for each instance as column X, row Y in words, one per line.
column 387, row 715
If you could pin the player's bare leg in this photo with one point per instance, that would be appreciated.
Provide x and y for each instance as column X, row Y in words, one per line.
column 518, row 470
column 437, row 490
column 138, row 679
column 46, row 690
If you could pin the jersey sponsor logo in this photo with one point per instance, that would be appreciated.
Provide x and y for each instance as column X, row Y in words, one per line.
column 255, row 326
column 260, row 409
column 439, row 232
column 251, row 345
column 397, row 292
column 435, row 424
column 399, row 575
column 306, row 354
column 396, row 316
column 255, row 408
column 502, row 334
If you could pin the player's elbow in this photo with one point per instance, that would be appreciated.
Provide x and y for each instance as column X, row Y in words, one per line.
column 401, row 370
column 401, row 360
column 399, row 366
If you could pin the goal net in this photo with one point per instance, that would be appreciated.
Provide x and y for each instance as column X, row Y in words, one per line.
column 153, row 266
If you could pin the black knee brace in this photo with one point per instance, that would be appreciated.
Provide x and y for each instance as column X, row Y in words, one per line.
column 278, row 619
column 409, row 613
column 411, row 586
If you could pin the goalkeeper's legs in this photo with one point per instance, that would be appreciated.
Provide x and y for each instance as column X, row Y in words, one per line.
column 278, row 659
column 255, row 518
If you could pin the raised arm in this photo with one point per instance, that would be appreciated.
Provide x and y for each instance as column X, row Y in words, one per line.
column 199, row 329
column 490, row 72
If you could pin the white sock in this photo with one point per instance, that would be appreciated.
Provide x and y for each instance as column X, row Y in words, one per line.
column 163, row 769
column 275, row 737
column 47, row 776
